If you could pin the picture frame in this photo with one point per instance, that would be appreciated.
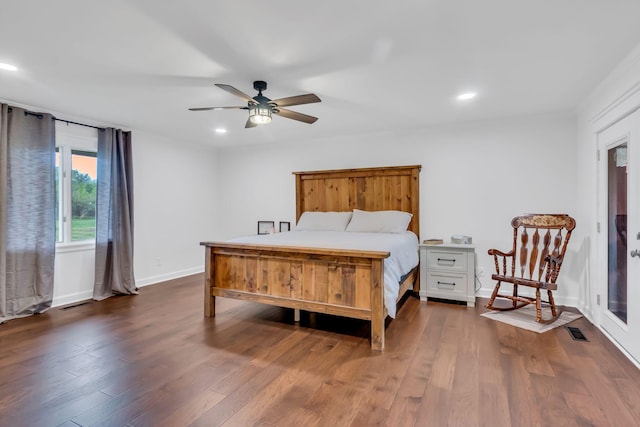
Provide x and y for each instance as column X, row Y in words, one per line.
column 285, row 226
column 266, row 227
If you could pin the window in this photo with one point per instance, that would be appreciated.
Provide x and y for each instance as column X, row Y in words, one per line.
column 76, row 186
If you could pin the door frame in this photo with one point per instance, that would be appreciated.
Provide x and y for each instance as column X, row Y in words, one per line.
column 620, row 109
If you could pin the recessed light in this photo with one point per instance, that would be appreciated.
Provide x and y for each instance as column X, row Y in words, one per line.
column 8, row 67
column 467, row 96
column 221, row 130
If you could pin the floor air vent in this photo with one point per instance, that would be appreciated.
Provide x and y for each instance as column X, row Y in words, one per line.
column 576, row 333
column 69, row 307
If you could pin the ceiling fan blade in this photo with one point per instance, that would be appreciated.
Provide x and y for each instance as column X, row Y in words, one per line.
column 250, row 124
column 308, row 98
column 218, row 108
column 232, row 90
column 295, row 115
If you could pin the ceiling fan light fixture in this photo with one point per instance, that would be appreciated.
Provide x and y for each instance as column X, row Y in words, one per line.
column 262, row 108
column 260, row 115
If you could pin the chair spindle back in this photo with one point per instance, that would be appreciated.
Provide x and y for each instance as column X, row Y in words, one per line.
column 531, row 257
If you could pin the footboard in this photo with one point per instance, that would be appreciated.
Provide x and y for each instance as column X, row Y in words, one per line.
column 339, row 282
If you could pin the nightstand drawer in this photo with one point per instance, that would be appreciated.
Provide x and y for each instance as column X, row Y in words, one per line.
column 450, row 260
column 446, row 283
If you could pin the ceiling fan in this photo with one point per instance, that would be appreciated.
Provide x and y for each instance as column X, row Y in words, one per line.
column 261, row 108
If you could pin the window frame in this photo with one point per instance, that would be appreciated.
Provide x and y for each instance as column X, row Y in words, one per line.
column 70, row 139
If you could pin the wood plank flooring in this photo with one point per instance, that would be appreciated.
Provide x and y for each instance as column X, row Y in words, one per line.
column 154, row 360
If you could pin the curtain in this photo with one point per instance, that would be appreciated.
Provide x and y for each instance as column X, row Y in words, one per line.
column 27, row 212
column 114, row 216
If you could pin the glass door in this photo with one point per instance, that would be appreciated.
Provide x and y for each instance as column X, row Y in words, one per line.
column 620, row 232
column 617, row 231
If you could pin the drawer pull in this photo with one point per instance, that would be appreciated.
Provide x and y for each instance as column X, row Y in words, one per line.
column 446, row 283
column 446, row 259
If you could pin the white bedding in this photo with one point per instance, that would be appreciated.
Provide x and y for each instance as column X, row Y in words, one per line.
column 403, row 248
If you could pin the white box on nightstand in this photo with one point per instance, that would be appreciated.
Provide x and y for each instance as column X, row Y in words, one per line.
column 447, row 271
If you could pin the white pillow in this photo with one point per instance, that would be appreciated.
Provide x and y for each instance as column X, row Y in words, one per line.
column 323, row 221
column 379, row 221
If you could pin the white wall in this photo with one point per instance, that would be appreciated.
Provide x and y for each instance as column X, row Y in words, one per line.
column 174, row 205
column 73, row 274
column 475, row 178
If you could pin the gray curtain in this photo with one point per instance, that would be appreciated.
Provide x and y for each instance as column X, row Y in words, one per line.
column 114, row 216
column 27, row 212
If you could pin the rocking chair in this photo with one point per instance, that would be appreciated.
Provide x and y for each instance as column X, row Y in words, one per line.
column 538, row 272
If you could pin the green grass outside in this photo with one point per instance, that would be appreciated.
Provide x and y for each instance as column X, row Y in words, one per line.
column 83, row 228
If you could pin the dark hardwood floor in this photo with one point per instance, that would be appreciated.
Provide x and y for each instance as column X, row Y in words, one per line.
column 154, row 360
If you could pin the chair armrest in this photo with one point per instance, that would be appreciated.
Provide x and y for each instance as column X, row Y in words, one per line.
column 500, row 253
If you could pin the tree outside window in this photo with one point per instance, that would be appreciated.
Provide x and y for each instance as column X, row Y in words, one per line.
column 76, row 189
column 83, row 195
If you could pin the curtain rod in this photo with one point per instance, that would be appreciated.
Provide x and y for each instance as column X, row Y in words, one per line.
column 79, row 124
column 40, row 116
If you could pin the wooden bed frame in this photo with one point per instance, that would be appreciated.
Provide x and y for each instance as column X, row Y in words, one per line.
column 340, row 282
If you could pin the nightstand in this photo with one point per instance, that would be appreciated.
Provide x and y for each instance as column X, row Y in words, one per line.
column 447, row 271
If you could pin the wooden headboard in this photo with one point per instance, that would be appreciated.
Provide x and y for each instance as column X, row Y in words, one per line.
column 370, row 189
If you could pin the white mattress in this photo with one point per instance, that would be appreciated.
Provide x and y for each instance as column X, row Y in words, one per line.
column 403, row 248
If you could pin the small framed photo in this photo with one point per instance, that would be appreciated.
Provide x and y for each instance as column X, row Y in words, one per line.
column 266, row 227
column 285, row 226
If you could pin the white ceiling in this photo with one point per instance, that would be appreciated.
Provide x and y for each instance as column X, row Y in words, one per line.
column 376, row 65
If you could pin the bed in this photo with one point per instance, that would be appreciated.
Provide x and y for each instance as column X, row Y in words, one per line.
column 343, row 282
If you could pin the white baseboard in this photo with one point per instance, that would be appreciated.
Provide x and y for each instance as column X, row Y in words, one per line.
column 88, row 294
column 71, row 298
column 168, row 276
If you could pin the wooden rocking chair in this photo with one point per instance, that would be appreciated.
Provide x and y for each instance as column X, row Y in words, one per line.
column 536, row 268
